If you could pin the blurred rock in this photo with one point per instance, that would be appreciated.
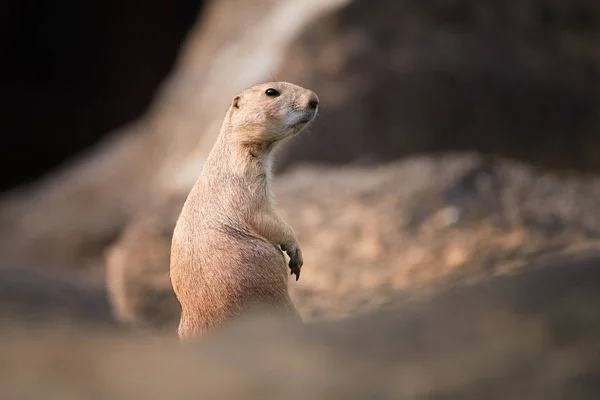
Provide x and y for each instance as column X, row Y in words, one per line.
column 399, row 78
column 45, row 297
column 533, row 335
column 137, row 272
column 367, row 232
column 406, row 77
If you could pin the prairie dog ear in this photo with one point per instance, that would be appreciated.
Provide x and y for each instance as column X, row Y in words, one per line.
column 236, row 102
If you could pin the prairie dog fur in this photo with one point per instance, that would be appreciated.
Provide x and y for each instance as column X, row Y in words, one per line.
column 226, row 251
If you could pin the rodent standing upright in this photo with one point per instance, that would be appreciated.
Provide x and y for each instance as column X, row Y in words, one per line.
column 226, row 251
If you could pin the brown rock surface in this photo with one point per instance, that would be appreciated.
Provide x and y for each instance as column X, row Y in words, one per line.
column 405, row 77
column 367, row 232
column 533, row 335
column 136, row 277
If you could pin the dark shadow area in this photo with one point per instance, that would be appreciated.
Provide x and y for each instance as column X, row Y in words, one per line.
column 72, row 71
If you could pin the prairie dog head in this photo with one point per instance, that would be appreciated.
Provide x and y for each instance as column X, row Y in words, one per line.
column 269, row 112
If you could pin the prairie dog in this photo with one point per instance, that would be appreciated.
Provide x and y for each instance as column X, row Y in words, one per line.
column 226, row 251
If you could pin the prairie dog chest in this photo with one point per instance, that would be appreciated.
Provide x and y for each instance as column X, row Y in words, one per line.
column 260, row 183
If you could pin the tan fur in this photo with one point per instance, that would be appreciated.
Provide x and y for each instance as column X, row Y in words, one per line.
column 226, row 252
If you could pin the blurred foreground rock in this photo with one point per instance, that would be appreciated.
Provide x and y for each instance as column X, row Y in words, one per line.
column 533, row 335
column 367, row 232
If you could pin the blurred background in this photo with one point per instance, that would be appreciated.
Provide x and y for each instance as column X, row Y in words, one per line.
column 457, row 142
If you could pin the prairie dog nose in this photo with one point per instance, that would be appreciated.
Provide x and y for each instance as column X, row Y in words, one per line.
column 313, row 101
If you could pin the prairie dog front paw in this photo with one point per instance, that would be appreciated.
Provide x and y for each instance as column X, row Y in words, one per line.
column 296, row 261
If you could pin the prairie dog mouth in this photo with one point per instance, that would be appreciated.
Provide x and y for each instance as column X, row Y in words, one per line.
column 304, row 119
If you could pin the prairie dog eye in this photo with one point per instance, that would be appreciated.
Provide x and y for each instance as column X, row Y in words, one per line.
column 272, row 92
